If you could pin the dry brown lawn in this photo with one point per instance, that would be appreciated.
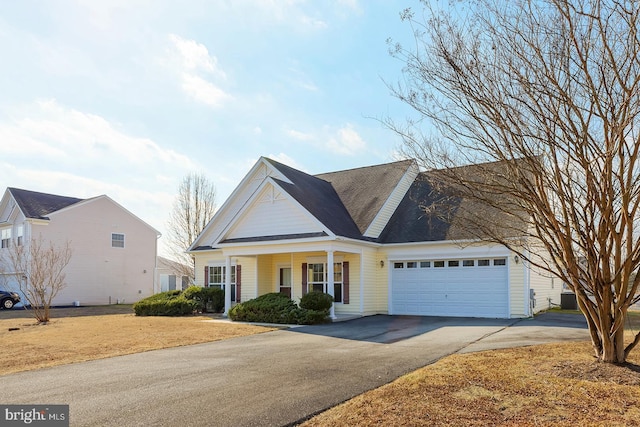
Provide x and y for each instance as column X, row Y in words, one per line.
column 80, row 337
column 547, row 385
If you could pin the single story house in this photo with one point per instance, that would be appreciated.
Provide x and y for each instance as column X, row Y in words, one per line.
column 173, row 275
column 114, row 251
column 363, row 236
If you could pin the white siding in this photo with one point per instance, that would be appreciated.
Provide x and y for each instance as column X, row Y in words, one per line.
column 273, row 214
column 234, row 204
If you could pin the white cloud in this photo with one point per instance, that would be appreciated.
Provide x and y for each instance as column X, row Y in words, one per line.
column 198, row 71
column 64, row 151
column 300, row 136
column 195, row 56
column 203, row 91
column 347, row 142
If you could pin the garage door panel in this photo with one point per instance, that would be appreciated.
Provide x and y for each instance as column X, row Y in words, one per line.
column 478, row 291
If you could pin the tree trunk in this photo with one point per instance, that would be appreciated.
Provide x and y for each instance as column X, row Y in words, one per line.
column 613, row 348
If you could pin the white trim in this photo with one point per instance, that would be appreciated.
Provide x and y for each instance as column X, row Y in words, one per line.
column 361, row 283
column 250, row 203
column 410, row 174
column 229, row 201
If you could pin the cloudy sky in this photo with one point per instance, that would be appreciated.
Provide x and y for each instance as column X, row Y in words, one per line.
column 125, row 97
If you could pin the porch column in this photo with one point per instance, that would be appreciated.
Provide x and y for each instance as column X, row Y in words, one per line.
column 227, row 285
column 330, row 283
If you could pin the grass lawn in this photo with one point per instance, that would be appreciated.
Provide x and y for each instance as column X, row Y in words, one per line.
column 546, row 385
column 80, row 337
column 553, row 384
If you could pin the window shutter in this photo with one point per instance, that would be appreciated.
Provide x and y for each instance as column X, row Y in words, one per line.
column 238, row 282
column 345, row 282
column 304, row 279
column 206, row 276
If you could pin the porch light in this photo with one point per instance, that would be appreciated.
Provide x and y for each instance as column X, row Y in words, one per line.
column 381, row 263
column 516, row 258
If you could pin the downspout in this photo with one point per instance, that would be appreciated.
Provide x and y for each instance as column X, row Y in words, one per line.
column 361, row 282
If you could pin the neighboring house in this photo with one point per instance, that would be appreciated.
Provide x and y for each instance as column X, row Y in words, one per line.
column 362, row 236
column 172, row 275
column 114, row 252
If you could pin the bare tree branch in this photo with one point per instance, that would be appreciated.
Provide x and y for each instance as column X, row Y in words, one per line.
column 545, row 95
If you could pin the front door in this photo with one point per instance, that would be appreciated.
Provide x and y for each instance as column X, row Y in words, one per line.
column 284, row 280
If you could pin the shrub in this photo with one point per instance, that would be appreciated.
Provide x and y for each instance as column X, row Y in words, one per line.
column 170, row 305
column 206, row 299
column 268, row 308
column 276, row 308
column 318, row 301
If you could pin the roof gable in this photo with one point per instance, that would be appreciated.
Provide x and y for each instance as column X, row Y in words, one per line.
column 37, row 205
column 272, row 212
column 320, row 199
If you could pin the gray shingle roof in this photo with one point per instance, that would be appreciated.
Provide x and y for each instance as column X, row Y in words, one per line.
column 38, row 205
column 363, row 191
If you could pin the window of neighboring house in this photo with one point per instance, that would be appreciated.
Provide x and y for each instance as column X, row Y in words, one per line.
column 317, row 279
column 117, row 240
column 5, row 235
column 217, row 277
column 19, row 235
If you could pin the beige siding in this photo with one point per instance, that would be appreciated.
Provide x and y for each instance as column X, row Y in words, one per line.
column 517, row 288
column 99, row 273
column 375, row 283
column 248, row 277
column 547, row 289
column 265, row 275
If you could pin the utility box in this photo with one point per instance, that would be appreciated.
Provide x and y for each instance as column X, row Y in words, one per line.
column 568, row 301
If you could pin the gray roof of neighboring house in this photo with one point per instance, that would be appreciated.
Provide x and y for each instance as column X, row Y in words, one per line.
column 38, row 205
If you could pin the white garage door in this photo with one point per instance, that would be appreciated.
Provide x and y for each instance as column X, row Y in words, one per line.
column 460, row 288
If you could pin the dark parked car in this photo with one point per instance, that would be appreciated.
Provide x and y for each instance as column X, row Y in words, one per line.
column 8, row 299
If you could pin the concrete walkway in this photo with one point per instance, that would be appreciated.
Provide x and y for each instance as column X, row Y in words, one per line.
column 271, row 379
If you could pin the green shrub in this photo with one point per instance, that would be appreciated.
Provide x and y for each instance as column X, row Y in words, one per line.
column 171, row 305
column 318, row 301
column 276, row 308
column 268, row 308
column 214, row 299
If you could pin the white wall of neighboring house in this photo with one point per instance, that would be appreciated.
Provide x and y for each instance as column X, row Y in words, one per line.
column 99, row 273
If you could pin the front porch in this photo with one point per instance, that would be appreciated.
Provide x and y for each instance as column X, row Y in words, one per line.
column 294, row 271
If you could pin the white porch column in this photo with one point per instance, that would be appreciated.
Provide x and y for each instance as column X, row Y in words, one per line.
column 330, row 283
column 227, row 285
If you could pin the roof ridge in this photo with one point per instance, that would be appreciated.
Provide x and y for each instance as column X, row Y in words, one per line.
column 366, row 167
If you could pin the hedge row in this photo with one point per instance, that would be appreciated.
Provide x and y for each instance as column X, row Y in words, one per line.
column 279, row 308
column 181, row 303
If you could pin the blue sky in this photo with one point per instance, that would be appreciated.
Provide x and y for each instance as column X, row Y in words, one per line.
column 125, row 97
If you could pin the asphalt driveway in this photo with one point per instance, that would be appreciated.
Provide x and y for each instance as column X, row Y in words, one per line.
column 276, row 378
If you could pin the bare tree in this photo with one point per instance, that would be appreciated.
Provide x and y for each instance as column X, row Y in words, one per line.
column 38, row 268
column 547, row 92
column 193, row 207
